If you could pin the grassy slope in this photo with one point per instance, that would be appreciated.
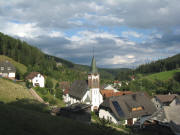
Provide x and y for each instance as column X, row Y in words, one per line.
column 18, row 121
column 24, row 117
column 10, row 91
column 162, row 75
column 21, row 67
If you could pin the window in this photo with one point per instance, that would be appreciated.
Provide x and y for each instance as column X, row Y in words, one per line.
column 2, row 68
column 137, row 108
column 110, row 118
column 9, row 68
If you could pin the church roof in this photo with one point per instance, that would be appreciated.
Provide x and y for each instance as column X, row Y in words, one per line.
column 94, row 69
column 78, row 89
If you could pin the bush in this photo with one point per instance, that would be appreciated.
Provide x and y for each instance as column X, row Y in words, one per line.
column 29, row 84
column 53, row 101
column 177, row 77
column 42, row 91
column 59, row 93
column 49, row 83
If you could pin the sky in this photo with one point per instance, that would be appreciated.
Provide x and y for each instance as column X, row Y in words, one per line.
column 123, row 33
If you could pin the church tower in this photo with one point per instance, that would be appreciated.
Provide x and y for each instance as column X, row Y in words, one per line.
column 94, row 86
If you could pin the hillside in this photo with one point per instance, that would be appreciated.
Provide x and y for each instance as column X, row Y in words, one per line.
column 22, row 68
column 106, row 73
column 18, row 121
column 10, row 91
column 162, row 75
column 166, row 64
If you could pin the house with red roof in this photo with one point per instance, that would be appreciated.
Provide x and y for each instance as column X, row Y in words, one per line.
column 36, row 79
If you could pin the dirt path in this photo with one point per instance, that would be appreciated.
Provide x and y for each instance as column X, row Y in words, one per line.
column 36, row 96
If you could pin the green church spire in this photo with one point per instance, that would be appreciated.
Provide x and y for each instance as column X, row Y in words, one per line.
column 93, row 66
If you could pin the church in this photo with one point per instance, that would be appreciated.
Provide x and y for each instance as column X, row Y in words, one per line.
column 86, row 91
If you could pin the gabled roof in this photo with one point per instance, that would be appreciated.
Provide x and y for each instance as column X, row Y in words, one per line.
column 32, row 75
column 166, row 98
column 6, row 67
column 78, row 89
column 129, row 106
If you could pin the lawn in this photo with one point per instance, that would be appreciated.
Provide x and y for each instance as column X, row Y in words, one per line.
column 11, row 91
column 162, row 75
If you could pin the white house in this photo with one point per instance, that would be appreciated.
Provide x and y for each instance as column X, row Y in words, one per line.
column 110, row 87
column 126, row 109
column 166, row 100
column 7, row 70
column 86, row 91
column 36, row 79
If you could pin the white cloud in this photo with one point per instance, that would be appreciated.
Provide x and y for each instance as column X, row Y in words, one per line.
column 55, row 34
column 115, row 60
column 28, row 30
column 131, row 33
column 130, row 56
column 107, row 20
column 91, row 38
column 163, row 11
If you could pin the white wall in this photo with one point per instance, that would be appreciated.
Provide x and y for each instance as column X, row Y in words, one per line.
column 85, row 96
column 156, row 103
column 96, row 98
column 107, row 116
column 4, row 74
column 38, row 79
column 73, row 100
column 134, row 120
column 66, row 98
column 175, row 102
column 12, row 75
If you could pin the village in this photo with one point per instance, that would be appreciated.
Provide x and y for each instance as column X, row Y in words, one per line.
column 86, row 97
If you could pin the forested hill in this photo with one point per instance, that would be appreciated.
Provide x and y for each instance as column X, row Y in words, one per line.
column 167, row 64
column 107, row 74
column 35, row 60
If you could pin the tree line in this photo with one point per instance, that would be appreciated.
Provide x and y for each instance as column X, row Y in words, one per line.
column 160, row 65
